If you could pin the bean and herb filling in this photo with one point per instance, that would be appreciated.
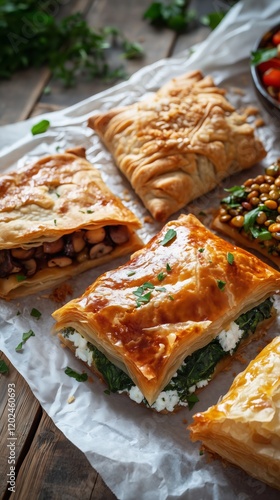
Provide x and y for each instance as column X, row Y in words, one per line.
column 73, row 248
column 254, row 209
column 196, row 369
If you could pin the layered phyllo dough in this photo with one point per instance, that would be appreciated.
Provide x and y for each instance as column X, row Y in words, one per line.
column 58, row 219
column 178, row 143
column 159, row 326
column 244, row 426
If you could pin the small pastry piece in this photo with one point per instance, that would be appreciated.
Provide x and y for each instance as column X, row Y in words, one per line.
column 58, row 219
column 244, row 427
column 179, row 143
column 250, row 213
column 158, row 326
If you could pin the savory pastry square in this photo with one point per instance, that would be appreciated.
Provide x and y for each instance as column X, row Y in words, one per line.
column 58, row 219
column 179, row 143
column 150, row 327
column 244, row 426
column 250, row 213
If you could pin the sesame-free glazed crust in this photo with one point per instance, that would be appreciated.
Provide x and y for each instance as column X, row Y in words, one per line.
column 244, row 426
column 179, row 143
column 49, row 199
column 195, row 294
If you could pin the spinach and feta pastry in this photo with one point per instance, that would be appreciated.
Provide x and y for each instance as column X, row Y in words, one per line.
column 160, row 326
column 59, row 219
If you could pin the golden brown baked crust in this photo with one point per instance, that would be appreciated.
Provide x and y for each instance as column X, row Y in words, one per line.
column 178, row 144
column 168, row 301
column 48, row 202
column 244, row 427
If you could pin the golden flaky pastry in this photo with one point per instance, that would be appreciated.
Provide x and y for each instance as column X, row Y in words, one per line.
column 179, row 143
column 172, row 298
column 58, row 219
column 244, row 427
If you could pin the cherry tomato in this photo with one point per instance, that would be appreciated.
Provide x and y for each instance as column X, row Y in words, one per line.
column 276, row 38
column 272, row 63
column 271, row 77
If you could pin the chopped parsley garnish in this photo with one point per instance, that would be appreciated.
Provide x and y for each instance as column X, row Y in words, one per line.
column 20, row 277
column 3, row 367
column 54, row 222
column 80, row 377
column 25, row 337
column 170, row 297
column 131, row 273
column 169, row 236
column 160, row 289
column 57, row 194
column 161, row 276
column 201, row 250
column 168, row 268
column 40, row 127
column 89, row 211
column 35, row 313
column 221, row 284
column 230, row 258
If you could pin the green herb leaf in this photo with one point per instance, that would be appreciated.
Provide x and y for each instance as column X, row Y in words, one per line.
column 80, row 377
column 3, row 367
column 168, row 268
column 221, row 284
column 263, row 55
column 161, row 276
column 160, row 289
column 20, row 277
column 35, row 313
column 131, row 273
column 230, row 258
column 25, row 337
column 213, row 19
column 41, row 127
column 201, row 250
column 191, row 400
column 174, row 14
column 169, row 236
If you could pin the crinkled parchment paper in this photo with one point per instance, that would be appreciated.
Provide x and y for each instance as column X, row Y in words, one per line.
column 140, row 454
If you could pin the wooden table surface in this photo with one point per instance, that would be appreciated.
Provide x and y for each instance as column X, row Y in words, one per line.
column 49, row 466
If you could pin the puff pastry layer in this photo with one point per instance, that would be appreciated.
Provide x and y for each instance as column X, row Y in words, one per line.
column 172, row 298
column 179, row 143
column 58, row 219
column 244, row 427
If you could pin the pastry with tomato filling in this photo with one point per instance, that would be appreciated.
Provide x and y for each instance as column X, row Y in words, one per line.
column 58, row 219
column 179, row 143
column 244, row 426
column 250, row 213
column 160, row 326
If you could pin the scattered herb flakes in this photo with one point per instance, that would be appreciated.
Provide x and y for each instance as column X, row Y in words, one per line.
column 3, row 367
column 192, row 399
column 160, row 289
column 201, row 250
column 89, row 211
column 40, row 127
column 170, row 297
column 168, row 268
column 161, row 276
column 25, row 337
column 20, row 277
column 80, row 377
column 55, row 222
column 230, row 258
column 221, row 284
column 131, row 273
column 169, row 236
column 35, row 313
column 57, row 194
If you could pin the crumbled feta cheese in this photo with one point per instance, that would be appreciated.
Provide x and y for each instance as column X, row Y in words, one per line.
column 230, row 337
column 135, row 394
column 82, row 351
column 167, row 400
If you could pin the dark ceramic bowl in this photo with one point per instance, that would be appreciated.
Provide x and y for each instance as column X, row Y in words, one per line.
column 269, row 103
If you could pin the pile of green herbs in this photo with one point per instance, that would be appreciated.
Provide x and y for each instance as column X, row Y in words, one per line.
column 197, row 367
column 32, row 35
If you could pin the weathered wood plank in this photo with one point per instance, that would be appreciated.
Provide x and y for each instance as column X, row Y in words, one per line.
column 55, row 469
column 127, row 17
column 27, row 415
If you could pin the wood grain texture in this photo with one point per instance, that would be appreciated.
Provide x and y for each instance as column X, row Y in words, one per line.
column 62, row 470
column 27, row 415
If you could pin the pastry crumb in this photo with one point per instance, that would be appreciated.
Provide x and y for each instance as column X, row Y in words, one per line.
column 60, row 293
column 70, row 400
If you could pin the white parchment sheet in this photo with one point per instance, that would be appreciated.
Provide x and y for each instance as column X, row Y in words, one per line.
column 140, row 454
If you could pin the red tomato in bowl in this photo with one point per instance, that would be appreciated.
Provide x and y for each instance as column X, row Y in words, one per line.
column 276, row 38
column 271, row 78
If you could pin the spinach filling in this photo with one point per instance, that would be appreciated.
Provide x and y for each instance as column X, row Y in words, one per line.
column 198, row 367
